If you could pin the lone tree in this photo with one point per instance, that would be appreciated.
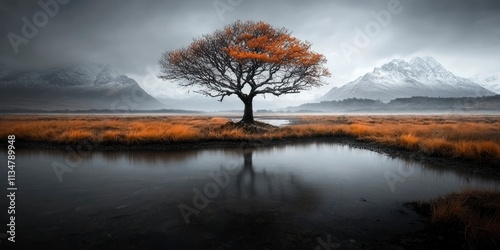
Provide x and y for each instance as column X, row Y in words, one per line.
column 245, row 59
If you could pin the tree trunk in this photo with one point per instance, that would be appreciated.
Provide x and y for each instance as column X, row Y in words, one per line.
column 248, row 113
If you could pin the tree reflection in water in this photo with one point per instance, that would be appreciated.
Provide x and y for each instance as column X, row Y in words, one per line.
column 260, row 207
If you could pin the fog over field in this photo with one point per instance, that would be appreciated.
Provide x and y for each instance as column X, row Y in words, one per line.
column 355, row 37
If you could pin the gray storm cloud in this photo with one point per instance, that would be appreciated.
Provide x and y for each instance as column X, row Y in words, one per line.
column 131, row 35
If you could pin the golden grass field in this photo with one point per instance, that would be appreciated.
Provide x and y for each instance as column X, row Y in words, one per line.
column 475, row 138
column 476, row 213
column 468, row 137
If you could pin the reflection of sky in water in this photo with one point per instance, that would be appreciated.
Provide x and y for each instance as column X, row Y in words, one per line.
column 324, row 186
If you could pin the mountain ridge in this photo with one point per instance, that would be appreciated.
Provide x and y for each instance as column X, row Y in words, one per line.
column 87, row 86
column 421, row 76
column 489, row 82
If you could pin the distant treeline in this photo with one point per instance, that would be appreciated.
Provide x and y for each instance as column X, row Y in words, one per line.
column 485, row 103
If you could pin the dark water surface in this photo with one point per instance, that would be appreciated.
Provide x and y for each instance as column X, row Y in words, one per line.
column 303, row 196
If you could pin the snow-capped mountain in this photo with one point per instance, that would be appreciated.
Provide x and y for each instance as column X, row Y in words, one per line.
column 491, row 83
column 90, row 86
column 421, row 76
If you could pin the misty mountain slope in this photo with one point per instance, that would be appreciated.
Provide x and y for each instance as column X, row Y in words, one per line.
column 399, row 79
column 90, row 86
column 491, row 83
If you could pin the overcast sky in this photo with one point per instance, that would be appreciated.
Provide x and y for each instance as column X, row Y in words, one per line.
column 131, row 35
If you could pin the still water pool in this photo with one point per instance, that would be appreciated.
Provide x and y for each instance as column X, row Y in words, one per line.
column 280, row 197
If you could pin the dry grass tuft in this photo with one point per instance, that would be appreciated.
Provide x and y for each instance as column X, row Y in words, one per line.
column 409, row 140
column 475, row 212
